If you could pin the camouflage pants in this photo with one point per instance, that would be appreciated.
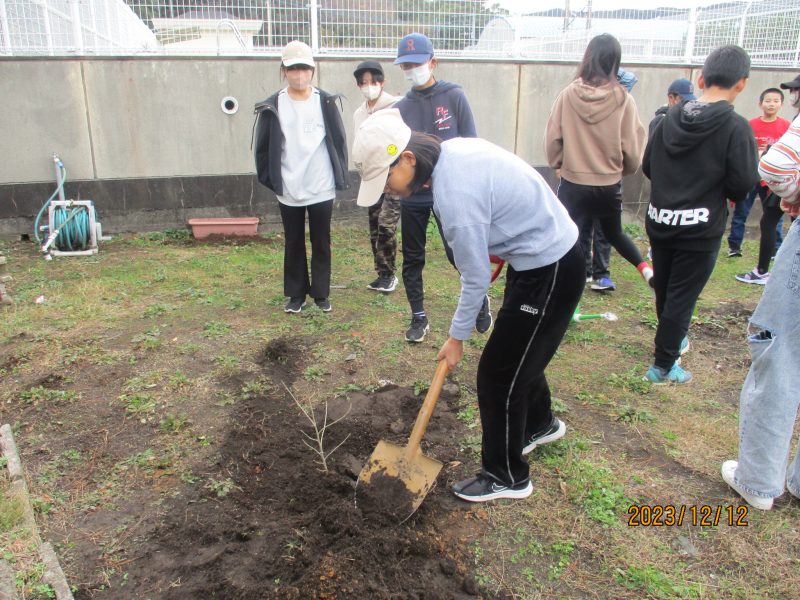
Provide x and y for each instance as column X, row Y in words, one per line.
column 4, row 277
column 383, row 218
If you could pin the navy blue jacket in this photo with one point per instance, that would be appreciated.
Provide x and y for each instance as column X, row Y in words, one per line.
column 442, row 110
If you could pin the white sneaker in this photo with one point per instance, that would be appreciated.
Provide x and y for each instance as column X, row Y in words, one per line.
column 728, row 474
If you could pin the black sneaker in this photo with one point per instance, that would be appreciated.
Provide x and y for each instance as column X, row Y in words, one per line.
column 295, row 305
column 384, row 283
column 419, row 327
column 482, row 488
column 484, row 321
column 734, row 252
column 323, row 304
column 554, row 432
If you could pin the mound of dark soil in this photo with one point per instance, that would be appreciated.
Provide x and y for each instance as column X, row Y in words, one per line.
column 274, row 524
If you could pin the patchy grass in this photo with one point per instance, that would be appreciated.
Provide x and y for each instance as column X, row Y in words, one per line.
column 163, row 333
column 17, row 544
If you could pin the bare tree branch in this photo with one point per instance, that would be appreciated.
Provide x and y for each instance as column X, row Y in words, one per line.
column 316, row 441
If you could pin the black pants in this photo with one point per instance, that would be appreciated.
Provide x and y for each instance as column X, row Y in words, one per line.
column 770, row 215
column 602, row 203
column 596, row 249
column 513, row 395
column 414, row 229
column 296, row 283
column 680, row 276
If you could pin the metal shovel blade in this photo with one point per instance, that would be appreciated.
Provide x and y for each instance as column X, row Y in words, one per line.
column 396, row 479
column 417, row 474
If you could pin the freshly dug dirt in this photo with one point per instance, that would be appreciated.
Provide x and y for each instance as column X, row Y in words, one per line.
column 281, row 527
column 385, row 498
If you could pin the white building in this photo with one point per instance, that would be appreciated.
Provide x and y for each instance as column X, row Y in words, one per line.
column 557, row 38
column 206, row 31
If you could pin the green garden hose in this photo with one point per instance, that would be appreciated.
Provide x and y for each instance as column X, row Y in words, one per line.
column 72, row 224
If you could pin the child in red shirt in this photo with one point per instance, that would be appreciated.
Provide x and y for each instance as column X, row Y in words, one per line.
column 768, row 128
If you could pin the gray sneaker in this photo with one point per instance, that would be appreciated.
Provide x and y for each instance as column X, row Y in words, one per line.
column 484, row 321
column 419, row 327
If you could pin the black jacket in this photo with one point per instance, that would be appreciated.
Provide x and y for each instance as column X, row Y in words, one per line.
column 660, row 112
column 699, row 156
column 269, row 142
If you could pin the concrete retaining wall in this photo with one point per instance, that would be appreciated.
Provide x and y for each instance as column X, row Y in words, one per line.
column 147, row 140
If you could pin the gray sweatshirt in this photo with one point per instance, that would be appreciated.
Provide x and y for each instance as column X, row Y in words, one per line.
column 490, row 201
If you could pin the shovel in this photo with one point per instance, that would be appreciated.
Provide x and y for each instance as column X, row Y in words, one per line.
column 393, row 467
column 577, row 316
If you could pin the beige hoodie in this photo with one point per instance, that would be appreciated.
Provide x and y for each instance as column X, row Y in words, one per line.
column 363, row 111
column 594, row 134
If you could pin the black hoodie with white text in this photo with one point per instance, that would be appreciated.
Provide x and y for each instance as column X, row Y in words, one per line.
column 699, row 156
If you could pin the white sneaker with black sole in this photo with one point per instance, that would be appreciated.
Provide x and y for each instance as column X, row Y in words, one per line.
column 555, row 432
column 482, row 488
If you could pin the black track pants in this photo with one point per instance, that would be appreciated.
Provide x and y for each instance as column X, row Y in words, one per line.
column 513, row 394
column 679, row 277
column 414, row 227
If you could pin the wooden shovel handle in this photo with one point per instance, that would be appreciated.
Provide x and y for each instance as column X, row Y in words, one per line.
column 421, row 424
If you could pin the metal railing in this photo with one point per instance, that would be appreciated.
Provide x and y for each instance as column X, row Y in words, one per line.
column 547, row 29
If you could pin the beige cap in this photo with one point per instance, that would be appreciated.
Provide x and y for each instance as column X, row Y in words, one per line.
column 378, row 143
column 297, row 53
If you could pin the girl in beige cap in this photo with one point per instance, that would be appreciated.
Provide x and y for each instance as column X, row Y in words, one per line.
column 301, row 155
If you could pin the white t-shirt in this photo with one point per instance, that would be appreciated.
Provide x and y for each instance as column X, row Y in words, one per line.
column 305, row 164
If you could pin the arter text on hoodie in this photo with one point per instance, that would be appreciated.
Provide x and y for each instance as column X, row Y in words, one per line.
column 699, row 156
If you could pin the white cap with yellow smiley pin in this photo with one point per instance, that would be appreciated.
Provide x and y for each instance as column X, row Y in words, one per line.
column 378, row 143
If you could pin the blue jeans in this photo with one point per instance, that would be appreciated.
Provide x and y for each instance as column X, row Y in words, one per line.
column 741, row 211
column 769, row 400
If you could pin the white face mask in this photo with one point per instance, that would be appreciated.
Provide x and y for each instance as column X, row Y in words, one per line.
column 418, row 75
column 371, row 92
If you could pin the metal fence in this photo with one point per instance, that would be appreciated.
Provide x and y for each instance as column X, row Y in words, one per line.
column 548, row 30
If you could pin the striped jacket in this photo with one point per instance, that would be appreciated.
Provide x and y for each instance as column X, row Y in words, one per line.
column 780, row 165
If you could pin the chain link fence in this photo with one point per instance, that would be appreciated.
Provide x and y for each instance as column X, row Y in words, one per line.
column 548, row 30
